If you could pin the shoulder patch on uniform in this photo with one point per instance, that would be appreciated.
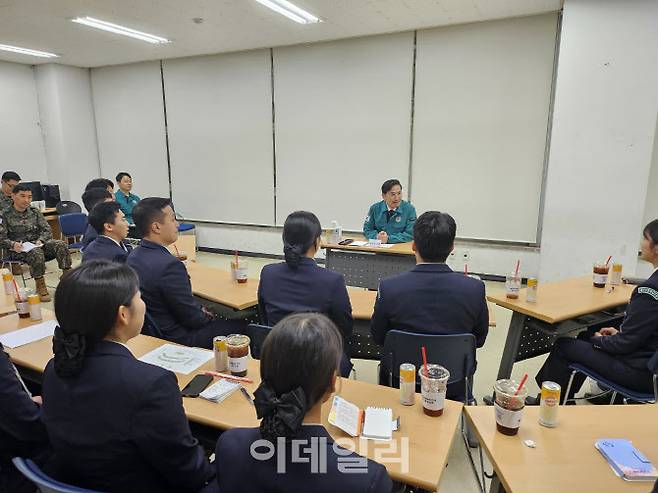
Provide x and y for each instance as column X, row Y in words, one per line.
column 650, row 291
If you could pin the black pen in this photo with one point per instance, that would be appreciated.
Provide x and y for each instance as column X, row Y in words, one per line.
column 246, row 395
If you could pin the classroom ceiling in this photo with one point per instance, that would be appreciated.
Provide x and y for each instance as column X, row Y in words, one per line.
column 228, row 25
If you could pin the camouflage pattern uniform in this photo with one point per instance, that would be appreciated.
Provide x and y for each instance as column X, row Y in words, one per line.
column 30, row 225
column 5, row 202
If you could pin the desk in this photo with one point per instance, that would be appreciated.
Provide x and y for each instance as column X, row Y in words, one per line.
column 565, row 459
column 365, row 266
column 429, row 439
column 562, row 308
column 217, row 285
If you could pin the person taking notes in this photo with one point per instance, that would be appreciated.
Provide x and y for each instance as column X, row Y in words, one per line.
column 391, row 220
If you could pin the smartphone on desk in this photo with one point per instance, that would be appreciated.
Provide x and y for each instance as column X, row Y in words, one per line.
column 197, row 385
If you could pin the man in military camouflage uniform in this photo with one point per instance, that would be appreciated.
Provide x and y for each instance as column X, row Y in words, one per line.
column 21, row 223
column 9, row 180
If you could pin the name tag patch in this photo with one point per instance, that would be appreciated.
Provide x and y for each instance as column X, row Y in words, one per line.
column 650, row 291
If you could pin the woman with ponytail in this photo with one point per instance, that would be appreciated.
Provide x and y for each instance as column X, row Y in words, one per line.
column 115, row 423
column 299, row 285
column 298, row 369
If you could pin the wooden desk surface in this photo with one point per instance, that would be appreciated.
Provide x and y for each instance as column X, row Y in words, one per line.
column 49, row 210
column 565, row 459
column 187, row 244
column 559, row 301
column 363, row 305
column 429, row 439
column 396, row 249
column 218, row 285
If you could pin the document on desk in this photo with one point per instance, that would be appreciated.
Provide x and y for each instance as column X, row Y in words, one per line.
column 33, row 333
column 179, row 359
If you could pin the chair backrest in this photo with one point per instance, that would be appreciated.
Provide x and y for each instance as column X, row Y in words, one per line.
column 150, row 328
column 455, row 352
column 257, row 334
column 44, row 483
column 67, row 207
column 73, row 224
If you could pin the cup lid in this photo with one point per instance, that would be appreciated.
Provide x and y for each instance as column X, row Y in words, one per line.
column 508, row 387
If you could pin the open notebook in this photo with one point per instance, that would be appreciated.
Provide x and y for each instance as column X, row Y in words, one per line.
column 375, row 422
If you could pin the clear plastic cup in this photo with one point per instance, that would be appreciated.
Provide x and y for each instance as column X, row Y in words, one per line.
column 240, row 270
column 600, row 274
column 512, row 286
column 433, row 387
column 509, row 407
column 22, row 305
column 615, row 278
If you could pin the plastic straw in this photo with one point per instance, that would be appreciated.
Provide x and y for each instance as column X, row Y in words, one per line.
column 465, row 269
column 525, row 377
column 422, row 350
column 608, row 261
column 17, row 292
column 177, row 252
column 516, row 270
column 236, row 258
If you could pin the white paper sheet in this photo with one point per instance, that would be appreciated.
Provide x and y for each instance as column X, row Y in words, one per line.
column 219, row 391
column 179, row 359
column 29, row 246
column 27, row 335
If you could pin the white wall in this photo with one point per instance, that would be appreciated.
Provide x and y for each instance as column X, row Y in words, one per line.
column 603, row 132
column 69, row 131
column 21, row 145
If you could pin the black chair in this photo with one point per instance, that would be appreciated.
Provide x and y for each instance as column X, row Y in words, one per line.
column 257, row 335
column 628, row 394
column 67, row 207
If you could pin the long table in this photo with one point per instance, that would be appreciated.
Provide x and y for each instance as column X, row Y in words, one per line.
column 562, row 308
column 564, row 459
column 364, row 266
column 417, row 455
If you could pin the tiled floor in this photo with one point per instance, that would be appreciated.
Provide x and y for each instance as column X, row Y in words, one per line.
column 458, row 476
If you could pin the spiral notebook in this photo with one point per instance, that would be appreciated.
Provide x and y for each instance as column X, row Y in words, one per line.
column 375, row 422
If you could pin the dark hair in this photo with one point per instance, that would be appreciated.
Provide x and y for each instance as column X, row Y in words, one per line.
column 93, row 196
column 434, row 235
column 299, row 360
column 21, row 188
column 300, row 231
column 99, row 183
column 121, row 175
column 103, row 212
column 147, row 211
column 10, row 175
column 388, row 184
column 86, row 303
column 650, row 231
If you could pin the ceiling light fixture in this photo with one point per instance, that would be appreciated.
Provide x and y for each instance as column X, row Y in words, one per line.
column 290, row 10
column 27, row 51
column 116, row 29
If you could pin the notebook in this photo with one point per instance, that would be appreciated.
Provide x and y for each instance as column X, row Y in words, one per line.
column 219, row 391
column 626, row 461
column 375, row 423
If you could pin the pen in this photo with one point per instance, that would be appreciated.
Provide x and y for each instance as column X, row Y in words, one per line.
column 246, row 395
column 229, row 377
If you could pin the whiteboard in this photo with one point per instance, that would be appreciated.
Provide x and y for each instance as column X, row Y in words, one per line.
column 21, row 144
column 219, row 114
column 481, row 115
column 343, row 114
column 130, row 125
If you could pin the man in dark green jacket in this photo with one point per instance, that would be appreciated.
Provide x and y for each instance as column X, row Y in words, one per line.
column 391, row 220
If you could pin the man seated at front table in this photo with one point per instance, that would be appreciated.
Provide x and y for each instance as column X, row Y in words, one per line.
column 22, row 223
column 109, row 222
column 391, row 220
column 164, row 282
column 431, row 298
column 90, row 198
column 9, row 180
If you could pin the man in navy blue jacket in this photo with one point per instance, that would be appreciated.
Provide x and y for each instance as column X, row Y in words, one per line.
column 109, row 222
column 21, row 430
column 164, row 281
column 90, row 198
column 431, row 298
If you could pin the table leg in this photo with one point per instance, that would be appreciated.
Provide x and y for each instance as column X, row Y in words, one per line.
column 495, row 486
column 511, row 345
